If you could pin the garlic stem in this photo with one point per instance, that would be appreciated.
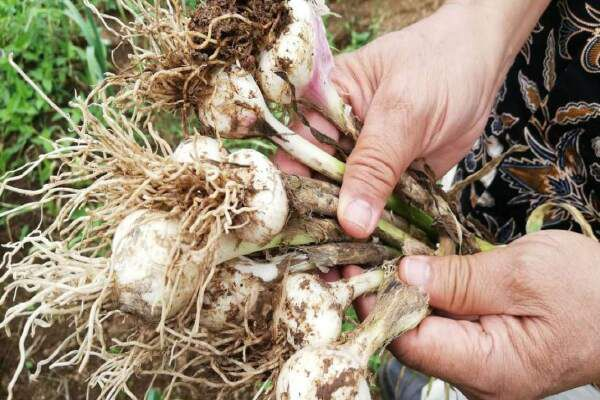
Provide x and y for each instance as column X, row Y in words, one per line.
column 399, row 308
column 297, row 233
column 326, row 255
column 304, row 151
column 319, row 257
column 402, row 240
column 307, row 197
column 363, row 283
column 324, row 163
column 336, row 109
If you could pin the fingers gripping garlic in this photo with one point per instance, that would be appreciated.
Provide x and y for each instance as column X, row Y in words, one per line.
column 143, row 249
column 265, row 195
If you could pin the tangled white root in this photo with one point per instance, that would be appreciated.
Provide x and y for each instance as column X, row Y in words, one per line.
column 108, row 169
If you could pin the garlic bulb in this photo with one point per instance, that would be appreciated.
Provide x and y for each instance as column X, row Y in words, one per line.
column 199, row 148
column 143, row 249
column 241, row 288
column 314, row 309
column 302, row 53
column 237, row 104
column 265, row 196
column 339, row 371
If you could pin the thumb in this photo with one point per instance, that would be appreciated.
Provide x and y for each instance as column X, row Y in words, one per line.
column 480, row 284
column 383, row 152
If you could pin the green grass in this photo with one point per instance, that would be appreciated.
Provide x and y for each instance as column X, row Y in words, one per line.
column 351, row 321
column 154, row 394
column 59, row 45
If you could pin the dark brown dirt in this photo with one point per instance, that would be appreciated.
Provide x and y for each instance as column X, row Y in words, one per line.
column 386, row 15
column 237, row 40
column 64, row 383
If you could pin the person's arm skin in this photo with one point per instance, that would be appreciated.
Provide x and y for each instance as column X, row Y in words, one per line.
column 426, row 92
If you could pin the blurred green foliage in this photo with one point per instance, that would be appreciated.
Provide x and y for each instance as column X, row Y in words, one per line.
column 355, row 37
column 154, row 394
column 60, row 48
column 360, row 38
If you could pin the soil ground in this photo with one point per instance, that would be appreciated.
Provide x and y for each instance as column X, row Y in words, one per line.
column 387, row 15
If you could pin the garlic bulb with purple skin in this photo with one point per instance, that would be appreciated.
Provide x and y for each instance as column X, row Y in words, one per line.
column 303, row 55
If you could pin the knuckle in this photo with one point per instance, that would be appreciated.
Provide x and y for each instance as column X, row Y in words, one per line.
column 454, row 283
column 372, row 168
column 393, row 107
column 461, row 282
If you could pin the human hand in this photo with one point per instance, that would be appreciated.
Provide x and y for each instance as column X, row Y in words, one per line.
column 538, row 330
column 424, row 92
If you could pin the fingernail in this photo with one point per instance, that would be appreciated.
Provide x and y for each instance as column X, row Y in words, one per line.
column 360, row 213
column 415, row 271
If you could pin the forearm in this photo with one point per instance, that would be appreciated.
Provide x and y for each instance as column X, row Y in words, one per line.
column 506, row 24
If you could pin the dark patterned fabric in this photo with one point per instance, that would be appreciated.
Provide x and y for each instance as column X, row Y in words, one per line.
column 550, row 103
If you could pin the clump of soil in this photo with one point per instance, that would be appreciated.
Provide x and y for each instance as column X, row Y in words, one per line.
column 241, row 29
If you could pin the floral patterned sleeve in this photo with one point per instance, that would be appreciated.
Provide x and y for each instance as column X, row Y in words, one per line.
column 550, row 102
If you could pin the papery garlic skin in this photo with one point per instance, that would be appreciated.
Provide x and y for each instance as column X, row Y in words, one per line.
column 199, row 148
column 142, row 251
column 235, row 104
column 323, row 373
column 313, row 312
column 293, row 54
column 232, row 295
column 265, row 196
